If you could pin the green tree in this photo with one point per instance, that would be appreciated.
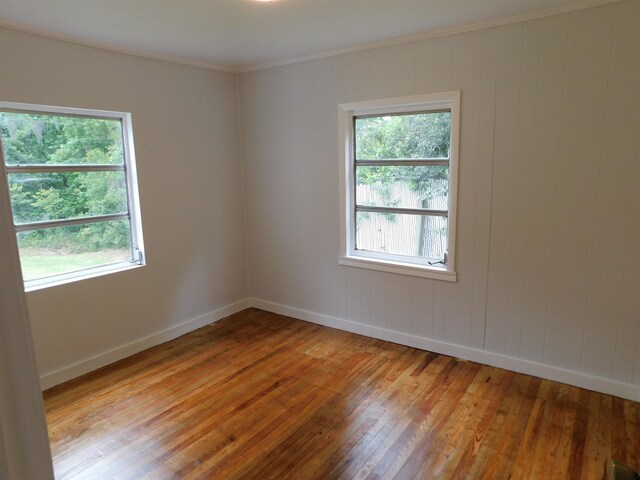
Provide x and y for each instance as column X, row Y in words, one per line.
column 30, row 139
column 395, row 137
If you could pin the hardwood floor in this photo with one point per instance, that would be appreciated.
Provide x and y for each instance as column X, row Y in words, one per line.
column 262, row 396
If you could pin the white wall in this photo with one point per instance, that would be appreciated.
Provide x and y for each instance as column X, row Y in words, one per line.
column 549, row 197
column 185, row 129
column 549, row 192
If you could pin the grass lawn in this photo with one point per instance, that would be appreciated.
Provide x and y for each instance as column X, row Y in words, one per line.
column 42, row 262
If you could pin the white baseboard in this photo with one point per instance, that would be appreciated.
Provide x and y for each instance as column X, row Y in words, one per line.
column 578, row 379
column 56, row 377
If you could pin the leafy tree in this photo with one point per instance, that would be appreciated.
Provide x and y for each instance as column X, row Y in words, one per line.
column 408, row 137
column 30, row 139
column 21, row 202
column 417, row 136
column 420, row 136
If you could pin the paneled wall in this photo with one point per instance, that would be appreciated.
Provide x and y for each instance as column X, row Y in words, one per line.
column 548, row 251
column 185, row 132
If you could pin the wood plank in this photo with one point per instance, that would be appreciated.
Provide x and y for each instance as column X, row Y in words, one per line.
column 583, row 114
column 544, row 185
column 507, row 94
column 467, row 50
column 523, row 166
column 623, row 132
column 484, row 186
column 260, row 395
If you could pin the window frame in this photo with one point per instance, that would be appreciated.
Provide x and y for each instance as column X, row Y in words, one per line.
column 130, row 173
column 398, row 264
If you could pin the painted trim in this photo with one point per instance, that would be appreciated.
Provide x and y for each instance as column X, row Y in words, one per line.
column 133, row 216
column 395, row 263
column 398, row 268
column 578, row 379
column 573, row 7
column 87, row 365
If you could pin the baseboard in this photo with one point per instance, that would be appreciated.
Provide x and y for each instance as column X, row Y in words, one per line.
column 578, row 379
column 57, row 377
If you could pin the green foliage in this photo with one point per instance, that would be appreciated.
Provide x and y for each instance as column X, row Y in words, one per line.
column 20, row 200
column 47, row 139
column 418, row 136
column 412, row 136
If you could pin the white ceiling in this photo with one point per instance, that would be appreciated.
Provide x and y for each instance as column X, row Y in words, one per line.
column 242, row 34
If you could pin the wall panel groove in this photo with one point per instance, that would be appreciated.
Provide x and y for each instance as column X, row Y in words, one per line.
column 548, row 215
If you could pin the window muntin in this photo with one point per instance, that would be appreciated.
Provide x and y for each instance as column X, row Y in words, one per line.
column 400, row 171
column 73, row 191
column 401, row 168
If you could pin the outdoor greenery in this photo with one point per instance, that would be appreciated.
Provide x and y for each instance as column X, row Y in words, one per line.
column 39, row 263
column 41, row 139
column 405, row 137
column 31, row 139
column 418, row 136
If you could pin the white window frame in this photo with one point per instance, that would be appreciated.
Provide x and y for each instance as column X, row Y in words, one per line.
column 131, row 178
column 398, row 264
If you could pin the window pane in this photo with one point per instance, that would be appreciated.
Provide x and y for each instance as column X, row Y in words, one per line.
column 406, row 187
column 402, row 234
column 421, row 135
column 52, row 196
column 31, row 139
column 53, row 251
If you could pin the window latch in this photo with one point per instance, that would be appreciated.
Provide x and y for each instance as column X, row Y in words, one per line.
column 137, row 257
column 443, row 261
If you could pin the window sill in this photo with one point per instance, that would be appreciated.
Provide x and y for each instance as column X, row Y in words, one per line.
column 53, row 281
column 399, row 268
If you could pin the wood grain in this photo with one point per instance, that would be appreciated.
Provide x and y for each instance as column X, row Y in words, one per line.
column 263, row 396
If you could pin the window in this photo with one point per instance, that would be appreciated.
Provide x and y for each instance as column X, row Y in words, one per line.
column 73, row 191
column 399, row 173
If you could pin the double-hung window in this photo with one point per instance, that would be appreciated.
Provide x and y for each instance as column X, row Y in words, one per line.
column 399, row 162
column 72, row 186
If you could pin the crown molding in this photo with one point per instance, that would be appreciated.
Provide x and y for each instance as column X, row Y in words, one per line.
column 573, row 7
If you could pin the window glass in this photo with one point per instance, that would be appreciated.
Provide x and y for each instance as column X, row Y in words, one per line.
column 32, row 139
column 407, row 187
column 70, row 183
column 48, row 252
column 398, row 201
column 419, row 135
column 37, row 197
column 402, row 162
column 402, row 234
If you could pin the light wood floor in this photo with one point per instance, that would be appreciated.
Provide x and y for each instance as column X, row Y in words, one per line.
column 262, row 396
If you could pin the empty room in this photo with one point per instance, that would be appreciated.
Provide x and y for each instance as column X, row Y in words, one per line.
column 320, row 239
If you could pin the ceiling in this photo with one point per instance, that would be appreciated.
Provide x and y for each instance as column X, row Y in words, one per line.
column 244, row 34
